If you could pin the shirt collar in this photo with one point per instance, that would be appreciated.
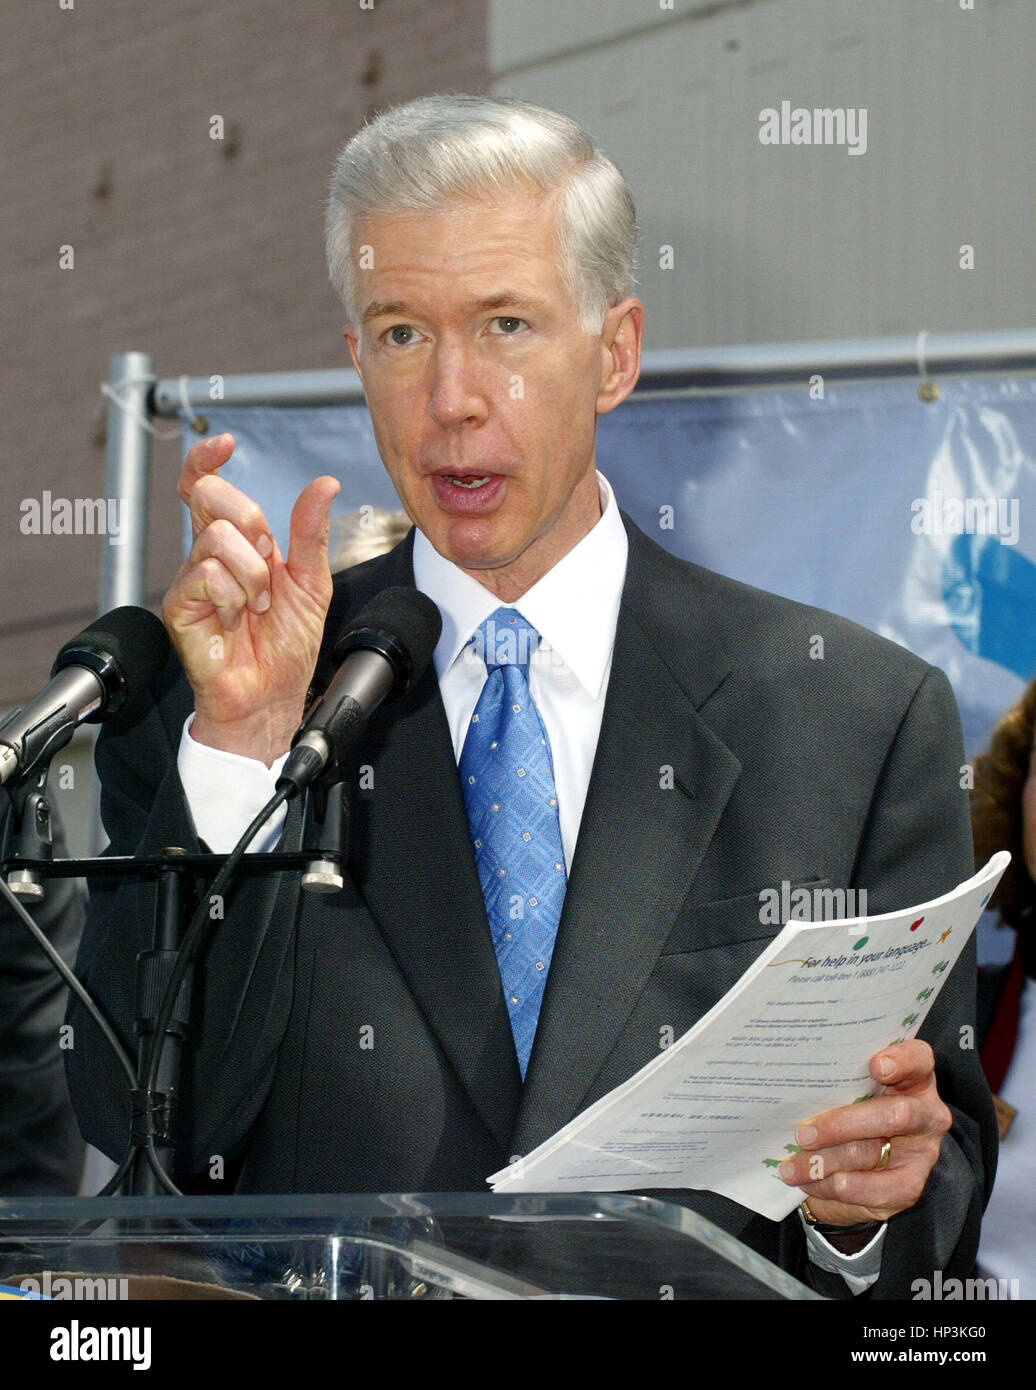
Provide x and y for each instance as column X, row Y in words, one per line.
column 574, row 607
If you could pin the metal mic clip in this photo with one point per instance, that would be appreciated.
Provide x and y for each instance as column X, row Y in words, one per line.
column 28, row 832
column 330, row 823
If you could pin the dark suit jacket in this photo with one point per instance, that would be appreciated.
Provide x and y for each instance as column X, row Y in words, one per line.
column 840, row 771
column 41, row 1150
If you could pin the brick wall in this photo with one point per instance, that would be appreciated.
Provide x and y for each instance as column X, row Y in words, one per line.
column 206, row 253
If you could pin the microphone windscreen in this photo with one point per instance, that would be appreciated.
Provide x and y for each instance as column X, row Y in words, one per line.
column 402, row 622
column 132, row 639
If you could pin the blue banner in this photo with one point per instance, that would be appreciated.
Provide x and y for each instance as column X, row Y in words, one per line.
column 903, row 514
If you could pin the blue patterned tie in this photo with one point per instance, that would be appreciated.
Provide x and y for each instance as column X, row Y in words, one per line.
column 512, row 805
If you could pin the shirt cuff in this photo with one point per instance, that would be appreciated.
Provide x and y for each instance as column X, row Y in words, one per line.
column 859, row 1271
column 226, row 791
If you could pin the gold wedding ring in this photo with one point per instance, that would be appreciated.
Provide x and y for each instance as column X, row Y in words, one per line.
column 882, row 1163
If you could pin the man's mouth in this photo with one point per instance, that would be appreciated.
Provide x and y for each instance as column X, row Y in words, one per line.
column 467, row 492
column 467, row 480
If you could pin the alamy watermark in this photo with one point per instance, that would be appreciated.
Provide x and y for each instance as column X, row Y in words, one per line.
column 802, row 904
column 507, row 644
column 818, row 125
column 966, row 516
column 81, row 1342
column 954, row 1290
column 48, row 515
column 77, row 1287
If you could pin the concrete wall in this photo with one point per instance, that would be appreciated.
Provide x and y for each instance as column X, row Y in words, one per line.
column 781, row 242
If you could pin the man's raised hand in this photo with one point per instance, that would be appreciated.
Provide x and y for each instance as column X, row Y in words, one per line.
column 246, row 623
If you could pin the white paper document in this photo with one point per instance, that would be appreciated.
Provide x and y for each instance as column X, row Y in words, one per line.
column 793, row 1038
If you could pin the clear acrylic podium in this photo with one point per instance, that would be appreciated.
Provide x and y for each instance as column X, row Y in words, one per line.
column 430, row 1246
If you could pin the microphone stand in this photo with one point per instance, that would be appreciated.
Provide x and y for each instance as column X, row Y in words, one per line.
column 27, row 860
column 326, row 813
column 154, row 1113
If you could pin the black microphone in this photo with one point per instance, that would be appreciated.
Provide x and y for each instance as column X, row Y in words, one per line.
column 93, row 676
column 382, row 652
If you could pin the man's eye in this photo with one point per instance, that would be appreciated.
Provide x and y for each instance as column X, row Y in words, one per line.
column 509, row 320
column 398, row 328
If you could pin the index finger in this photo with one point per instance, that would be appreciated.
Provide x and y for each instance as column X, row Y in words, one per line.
column 211, row 498
column 207, row 456
column 881, row 1117
column 913, row 1065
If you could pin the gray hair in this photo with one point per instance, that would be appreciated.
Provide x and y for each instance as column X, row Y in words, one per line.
column 421, row 155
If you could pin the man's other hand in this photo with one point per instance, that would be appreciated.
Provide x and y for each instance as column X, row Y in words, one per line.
column 841, row 1148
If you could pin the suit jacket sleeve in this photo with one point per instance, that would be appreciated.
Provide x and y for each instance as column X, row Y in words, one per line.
column 916, row 846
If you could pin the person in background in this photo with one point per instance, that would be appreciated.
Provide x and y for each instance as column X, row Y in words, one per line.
column 41, row 1149
column 364, row 533
column 1003, row 815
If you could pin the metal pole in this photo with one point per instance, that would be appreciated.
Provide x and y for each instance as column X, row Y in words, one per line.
column 737, row 367
column 840, row 360
column 123, row 566
column 124, row 570
column 322, row 386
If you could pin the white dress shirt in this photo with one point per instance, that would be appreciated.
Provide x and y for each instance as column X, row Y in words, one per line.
column 575, row 609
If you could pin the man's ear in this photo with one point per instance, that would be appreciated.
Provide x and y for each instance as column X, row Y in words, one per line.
column 351, row 338
column 621, row 342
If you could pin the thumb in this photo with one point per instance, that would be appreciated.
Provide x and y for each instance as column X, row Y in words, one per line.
column 310, row 528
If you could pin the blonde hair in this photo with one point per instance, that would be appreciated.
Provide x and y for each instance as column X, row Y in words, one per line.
column 364, row 533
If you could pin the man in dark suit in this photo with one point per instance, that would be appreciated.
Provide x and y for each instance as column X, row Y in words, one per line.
column 682, row 750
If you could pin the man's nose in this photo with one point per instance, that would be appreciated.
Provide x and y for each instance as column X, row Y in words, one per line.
column 458, row 387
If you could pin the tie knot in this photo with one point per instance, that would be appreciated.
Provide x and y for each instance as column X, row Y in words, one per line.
column 506, row 639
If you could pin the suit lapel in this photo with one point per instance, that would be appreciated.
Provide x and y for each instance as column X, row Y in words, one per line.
column 640, row 843
column 412, row 858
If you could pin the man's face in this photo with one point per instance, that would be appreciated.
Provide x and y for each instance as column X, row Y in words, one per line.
column 475, row 367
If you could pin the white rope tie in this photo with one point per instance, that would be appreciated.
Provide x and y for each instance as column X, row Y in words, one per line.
column 919, row 351
column 111, row 390
column 928, row 390
column 198, row 422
